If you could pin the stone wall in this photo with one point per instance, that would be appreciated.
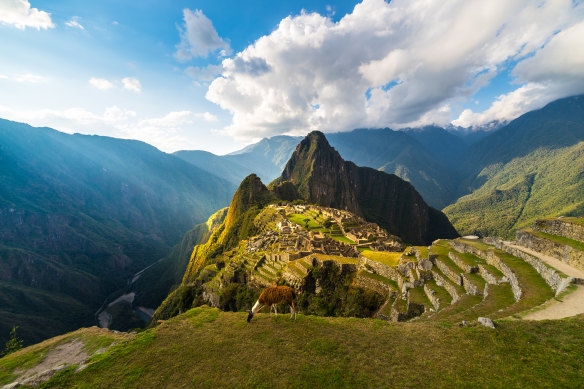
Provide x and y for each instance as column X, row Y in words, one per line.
column 441, row 281
column 469, row 286
column 462, row 247
column 552, row 277
column 379, row 268
column 494, row 260
column 561, row 228
column 448, row 272
column 461, row 264
column 375, row 285
column 413, row 310
column 488, row 276
column 432, row 297
column 562, row 252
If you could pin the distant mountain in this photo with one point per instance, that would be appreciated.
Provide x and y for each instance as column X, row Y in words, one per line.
column 529, row 169
column 80, row 214
column 322, row 177
column 425, row 157
column 265, row 158
column 426, row 164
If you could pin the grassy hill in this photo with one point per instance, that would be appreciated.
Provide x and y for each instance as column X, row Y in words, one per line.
column 545, row 183
column 531, row 168
column 206, row 347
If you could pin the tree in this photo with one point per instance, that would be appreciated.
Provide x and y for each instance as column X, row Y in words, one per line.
column 306, row 221
column 13, row 344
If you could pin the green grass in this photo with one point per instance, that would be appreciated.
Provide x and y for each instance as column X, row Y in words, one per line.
column 535, row 290
column 417, row 295
column 299, row 219
column 441, row 293
column 340, row 238
column 500, row 297
column 386, row 258
column 558, row 239
column 93, row 338
column 209, row 348
column 448, row 314
column 423, row 250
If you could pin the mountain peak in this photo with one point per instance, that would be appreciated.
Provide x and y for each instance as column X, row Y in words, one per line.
column 322, row 177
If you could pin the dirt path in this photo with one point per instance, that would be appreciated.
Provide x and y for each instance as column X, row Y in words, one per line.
column 553, row 262
column 67, row 354
column 572, row 304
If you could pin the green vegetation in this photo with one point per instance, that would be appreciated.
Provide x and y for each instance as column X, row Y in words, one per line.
column 94, row 339
column 195, row 349
column 535, row 290
column 337, row 296
column 14, row 343
column 545, row 182
column 387, row 258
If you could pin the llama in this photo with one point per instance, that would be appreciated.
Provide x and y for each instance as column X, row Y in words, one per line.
column 274, row 295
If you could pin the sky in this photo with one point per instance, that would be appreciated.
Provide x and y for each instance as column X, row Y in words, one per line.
column 219, row 75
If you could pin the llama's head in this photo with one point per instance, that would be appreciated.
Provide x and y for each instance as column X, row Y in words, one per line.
column 249, row 316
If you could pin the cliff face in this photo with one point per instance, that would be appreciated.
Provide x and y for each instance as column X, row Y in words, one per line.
column 322, row 177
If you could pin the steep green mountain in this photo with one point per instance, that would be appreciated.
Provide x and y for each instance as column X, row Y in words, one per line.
column 322, row 177
column 529, row 169
column 79, row 215
column 251, row 196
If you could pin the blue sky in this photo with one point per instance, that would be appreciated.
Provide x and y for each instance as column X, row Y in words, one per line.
column 218, row 75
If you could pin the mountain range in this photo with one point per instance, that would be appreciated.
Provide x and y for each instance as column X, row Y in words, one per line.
column 81, row 215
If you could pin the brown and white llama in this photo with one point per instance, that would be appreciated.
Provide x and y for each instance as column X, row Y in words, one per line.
column 274, row 295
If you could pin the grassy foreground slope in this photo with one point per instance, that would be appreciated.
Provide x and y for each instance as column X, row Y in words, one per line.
column 206, row 347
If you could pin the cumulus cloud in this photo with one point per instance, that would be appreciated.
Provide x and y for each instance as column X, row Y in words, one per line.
column 18, row 13
column 198, row 37
column 129, row 83
column 398, row 64
column 74, row 23
column 101, row 83
column 132, row 84
column 555, row 71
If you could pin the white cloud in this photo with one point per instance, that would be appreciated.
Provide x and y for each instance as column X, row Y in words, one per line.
column 403, row 63
column 170, row 132
column 30, row 78
column 198, row 37
column 132, row 84
column 555, row 71
column 19, row 14
column 101, row 83
column 129, row 83
column 74, row 23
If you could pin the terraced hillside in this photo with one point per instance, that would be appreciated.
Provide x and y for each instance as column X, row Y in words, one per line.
column 345, row 266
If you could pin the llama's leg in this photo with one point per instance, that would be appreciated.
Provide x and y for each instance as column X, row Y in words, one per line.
column 271, row 306
column 276, row 309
